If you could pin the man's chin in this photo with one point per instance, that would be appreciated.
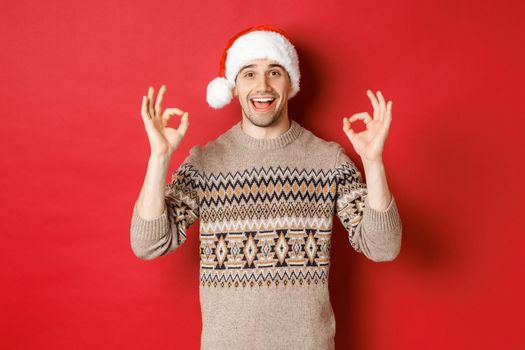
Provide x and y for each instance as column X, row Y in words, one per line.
column 262, row 120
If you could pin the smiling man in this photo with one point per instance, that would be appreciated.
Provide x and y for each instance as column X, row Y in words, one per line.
column 263, row 87
column 265, row 193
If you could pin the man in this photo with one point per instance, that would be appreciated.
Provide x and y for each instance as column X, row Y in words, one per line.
column 265, row 192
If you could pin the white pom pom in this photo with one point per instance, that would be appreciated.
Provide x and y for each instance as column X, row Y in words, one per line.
column 219, row 92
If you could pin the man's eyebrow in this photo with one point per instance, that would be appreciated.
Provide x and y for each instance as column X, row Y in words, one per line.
column 272, row 65
column 248, row 66
column 276, row 65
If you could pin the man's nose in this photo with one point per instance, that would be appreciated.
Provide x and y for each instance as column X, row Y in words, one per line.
column 262, row 83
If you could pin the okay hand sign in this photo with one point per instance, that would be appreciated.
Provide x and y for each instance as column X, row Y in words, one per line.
column 163, row 140
column 370, row 142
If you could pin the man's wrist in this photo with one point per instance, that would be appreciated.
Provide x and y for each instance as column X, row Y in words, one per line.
column 378, row 163
column 159, row 160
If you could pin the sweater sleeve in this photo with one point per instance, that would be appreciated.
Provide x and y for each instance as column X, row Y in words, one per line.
column 159, row 236
column 374, row 233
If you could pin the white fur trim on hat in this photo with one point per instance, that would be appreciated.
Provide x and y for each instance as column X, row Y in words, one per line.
column 260, row 44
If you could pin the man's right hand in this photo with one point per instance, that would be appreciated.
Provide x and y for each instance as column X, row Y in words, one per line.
column 162, row 139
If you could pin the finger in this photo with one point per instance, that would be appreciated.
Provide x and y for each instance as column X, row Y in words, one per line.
column 382, row 105
column 144, row 110
column 374, row 101
column 388, row 117
column 151, row 110
column 184, row 124
column 158, row 103
column 169, row 112
column 347, row 128
column 363, row 116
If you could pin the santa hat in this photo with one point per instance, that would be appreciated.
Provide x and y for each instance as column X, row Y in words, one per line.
column 259, row 42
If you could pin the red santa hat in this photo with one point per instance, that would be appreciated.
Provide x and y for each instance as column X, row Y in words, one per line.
column 259, row 42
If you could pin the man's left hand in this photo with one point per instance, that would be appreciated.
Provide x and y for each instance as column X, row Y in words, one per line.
column 370, row 142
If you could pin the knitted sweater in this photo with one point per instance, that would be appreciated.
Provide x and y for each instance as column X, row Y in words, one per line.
column 266, row 210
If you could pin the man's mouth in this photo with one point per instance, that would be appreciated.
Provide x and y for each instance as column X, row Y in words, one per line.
column 262, row 104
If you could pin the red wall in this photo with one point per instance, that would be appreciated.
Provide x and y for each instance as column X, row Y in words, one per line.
column 74, row 155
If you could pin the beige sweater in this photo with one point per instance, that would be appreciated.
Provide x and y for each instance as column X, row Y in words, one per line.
column 266, row 210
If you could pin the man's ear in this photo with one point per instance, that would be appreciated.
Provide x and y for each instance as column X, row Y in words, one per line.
column 235, row 93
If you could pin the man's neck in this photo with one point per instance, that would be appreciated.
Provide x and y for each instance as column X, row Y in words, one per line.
column 266, row 132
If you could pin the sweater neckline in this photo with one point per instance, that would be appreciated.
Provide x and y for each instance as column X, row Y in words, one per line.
column 243, row 139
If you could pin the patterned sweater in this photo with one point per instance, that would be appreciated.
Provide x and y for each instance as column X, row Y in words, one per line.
column 266, row 209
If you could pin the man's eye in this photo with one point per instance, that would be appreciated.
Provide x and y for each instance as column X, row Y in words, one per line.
column 275, row 73
column 249, row 74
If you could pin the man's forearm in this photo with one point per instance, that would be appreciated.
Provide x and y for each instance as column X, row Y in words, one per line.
column 379, row 195
column 150, row 203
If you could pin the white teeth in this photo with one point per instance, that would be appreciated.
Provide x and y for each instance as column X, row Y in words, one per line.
column 263, row 99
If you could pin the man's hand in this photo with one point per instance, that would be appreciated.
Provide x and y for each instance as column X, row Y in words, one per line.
column 163, row 140
column 370, row 142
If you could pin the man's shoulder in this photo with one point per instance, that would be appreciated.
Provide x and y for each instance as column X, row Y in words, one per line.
column 212, row 148
column 313, row 141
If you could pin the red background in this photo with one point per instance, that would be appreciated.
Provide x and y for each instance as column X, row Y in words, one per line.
column 74, row 155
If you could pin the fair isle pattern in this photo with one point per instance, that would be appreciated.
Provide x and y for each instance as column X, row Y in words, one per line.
column 269, row 225
column 265, row 257
column 182, row 199
column 350, row 202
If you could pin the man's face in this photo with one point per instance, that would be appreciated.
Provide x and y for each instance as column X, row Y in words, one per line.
column 263, row 87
